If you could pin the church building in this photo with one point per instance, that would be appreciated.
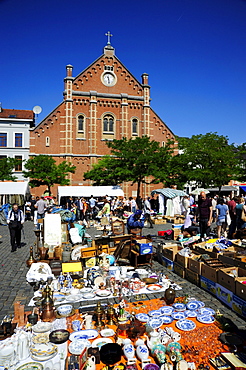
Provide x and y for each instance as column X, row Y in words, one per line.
column 104, row 102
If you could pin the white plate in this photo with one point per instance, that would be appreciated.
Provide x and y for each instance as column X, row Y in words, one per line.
column 192, row 305
column 155, row 322
column 179, row 306
column 155, row 313
column 206, row 319
column 74, row 297
column 103, row 293
column 88, row 295
column 167, row 319
column 76, row 347
column 84, row 334
column 178, row 315
column 107, row 332
column 166, row 310
column 85, row 290
column 143, row 317
column 43, row 349
column 41, row 327
column 185, row 325
column 31, row 366
column 154, row 287
column 99, row 342
column 44, row 358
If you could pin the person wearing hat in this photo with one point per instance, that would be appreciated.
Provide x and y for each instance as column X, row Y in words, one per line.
column 134, row 221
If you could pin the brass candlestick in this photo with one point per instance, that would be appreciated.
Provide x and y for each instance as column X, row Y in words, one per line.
column 111, row 315
column 99, row 313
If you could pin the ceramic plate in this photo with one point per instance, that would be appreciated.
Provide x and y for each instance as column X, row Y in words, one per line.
column 41, row 338
column 44, row 358
column 154, row 313
column 201, row 304
column 155, row 322
column 166, row 310
column 41, row 327
column 205, row 311
column 185, row 325
column 154, row 287
column 179, row 306
column 85, row 290
column 31, row 366
column 43, row 349
column 178, row 315
column 107, row 332
column 103, row 293
column 88, row 295
column 99, row 342
column 206, row 319
column 143, row 317
column 59, row 297
column 84, row 334
column 192, row 305
column 76, row 347
column 190, row 313
column 167, row 319
column 74, row 297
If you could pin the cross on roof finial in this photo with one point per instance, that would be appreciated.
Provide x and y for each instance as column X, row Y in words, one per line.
column 108, row 34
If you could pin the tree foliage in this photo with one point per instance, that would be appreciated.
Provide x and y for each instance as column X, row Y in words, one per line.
column 132, row 160
column 240, row 152
column 7, row 166
column 206, row 159
column 43, row 170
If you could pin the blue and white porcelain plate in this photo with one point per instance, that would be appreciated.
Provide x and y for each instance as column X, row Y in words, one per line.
column 178, row 315
column 155, row 322
column 185, row 325
column 155, row 313
column 201, row 304
column 206, row 319
column 143, row 317
column 84, row 334
column 190, row 313
column 205, row 311
column 179, row 306
column 167, row 319
column 166, row 310
column 192, row 305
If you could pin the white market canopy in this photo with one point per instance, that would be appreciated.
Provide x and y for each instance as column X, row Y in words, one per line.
column 12, row 188
column 87, row 191
column 169, row 193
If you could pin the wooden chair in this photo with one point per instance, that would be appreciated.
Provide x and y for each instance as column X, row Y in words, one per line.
column 136, row 232
column 118, row 227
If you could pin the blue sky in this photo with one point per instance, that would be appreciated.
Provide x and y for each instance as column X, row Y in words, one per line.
column 193, row 50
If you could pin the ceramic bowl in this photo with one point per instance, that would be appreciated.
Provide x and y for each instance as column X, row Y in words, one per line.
column 66, row 309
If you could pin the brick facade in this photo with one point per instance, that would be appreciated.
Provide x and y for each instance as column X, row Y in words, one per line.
column 105, row 101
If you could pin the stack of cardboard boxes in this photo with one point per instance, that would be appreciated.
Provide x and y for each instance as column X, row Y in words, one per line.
column 217, row 273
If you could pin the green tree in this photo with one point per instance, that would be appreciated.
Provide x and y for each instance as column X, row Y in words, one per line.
column 206, row 159
column 240, row 152
column 7, row 166
column 134, row 160
column 43, row 170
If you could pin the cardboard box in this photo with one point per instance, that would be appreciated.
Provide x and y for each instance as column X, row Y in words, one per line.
column 167, row 263
column 181, row 260
column 240, row 289
column 179, row 270
column 158, row 221
column 227, row 276
column 194, row 265
column 239, row 305
column 171, row 251
column 177, row 226
column 144, row 246
column 224, row 295
column 208, row 285
column 210, row 273
column 192, row 276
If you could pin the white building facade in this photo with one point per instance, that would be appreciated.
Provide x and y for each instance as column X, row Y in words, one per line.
column 15, row 138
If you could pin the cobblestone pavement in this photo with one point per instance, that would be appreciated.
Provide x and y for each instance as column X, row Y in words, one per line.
column 13, row 271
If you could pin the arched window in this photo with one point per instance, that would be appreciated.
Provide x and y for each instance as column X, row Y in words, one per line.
column 134, row 126
column 47, row 141
column 108, row 123
column 80, row 123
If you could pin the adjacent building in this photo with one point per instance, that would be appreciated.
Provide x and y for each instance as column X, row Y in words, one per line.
column 15, row 127
column 104, row 102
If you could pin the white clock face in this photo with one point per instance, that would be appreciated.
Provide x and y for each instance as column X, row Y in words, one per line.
column 108, row 79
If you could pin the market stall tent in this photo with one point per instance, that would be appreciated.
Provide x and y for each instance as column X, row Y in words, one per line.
column 87, row 191
column 14, row 192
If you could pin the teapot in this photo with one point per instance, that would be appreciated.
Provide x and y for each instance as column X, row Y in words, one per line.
column 155, row 339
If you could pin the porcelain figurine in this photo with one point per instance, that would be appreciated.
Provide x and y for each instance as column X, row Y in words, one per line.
column 159, row 351
column 142, row 353
column 60, row 279
column 69, row 281
column 23, row 341
column 104, row 262
column 129, row 352
column 88, row 322
column 167, row 366
column 173, row 349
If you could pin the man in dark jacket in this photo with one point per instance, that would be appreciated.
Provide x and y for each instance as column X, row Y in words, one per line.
column 15, row 221
column 134, row 222
column 205, row 211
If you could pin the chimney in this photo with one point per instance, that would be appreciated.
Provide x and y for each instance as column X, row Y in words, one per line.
column 145, row 79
